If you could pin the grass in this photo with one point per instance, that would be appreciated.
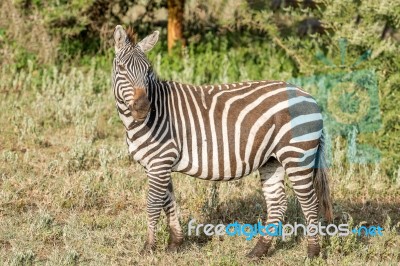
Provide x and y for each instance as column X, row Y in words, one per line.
column 70, row 194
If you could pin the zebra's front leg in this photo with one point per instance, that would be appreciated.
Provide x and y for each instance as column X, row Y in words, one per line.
column 158, row 186
column 272, row 177
column 175, row 230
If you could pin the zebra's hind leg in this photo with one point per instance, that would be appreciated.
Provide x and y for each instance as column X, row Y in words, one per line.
column 175, row 230
column 272, row 177
column 301, row 178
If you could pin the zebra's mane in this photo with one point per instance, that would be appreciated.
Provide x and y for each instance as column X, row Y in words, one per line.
column 131, row 35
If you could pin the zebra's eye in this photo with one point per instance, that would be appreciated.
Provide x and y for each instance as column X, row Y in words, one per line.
column 121, row 66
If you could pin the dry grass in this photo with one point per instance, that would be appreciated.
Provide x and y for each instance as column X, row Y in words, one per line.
column 69, row 194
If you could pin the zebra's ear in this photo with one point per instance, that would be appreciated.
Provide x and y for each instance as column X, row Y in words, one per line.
column 119, row 38
column 148, row 43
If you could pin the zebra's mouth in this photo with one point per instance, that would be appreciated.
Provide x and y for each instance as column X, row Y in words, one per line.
column 139, row 115
column 139, row 118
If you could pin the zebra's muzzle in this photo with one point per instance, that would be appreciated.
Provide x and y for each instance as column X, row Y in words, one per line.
column 140, row 105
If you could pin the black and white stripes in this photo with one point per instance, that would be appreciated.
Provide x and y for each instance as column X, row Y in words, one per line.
column 218, row 132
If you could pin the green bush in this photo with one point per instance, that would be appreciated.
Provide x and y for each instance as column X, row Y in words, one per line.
column 256, row 41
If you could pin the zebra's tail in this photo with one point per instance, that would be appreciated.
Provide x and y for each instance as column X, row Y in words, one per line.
column 321, row 183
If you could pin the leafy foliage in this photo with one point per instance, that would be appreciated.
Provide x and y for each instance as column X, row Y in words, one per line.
column 70, row 194
column 230, row 41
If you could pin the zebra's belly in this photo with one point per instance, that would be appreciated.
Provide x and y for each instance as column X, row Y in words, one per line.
column 213, row 171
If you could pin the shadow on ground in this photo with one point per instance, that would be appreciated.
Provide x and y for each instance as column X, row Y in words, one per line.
column 252, row 208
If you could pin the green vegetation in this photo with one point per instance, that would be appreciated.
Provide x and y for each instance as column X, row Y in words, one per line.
column 69, row 193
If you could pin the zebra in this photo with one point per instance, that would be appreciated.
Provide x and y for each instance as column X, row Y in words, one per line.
column 220, row 133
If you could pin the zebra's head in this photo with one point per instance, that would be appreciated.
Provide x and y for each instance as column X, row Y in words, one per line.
column 132, row 72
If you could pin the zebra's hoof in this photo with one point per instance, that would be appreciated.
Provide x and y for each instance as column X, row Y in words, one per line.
column 173, row 247
column 313, row 250
column 260, row 249
column 174, row 243
column 148, row 248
